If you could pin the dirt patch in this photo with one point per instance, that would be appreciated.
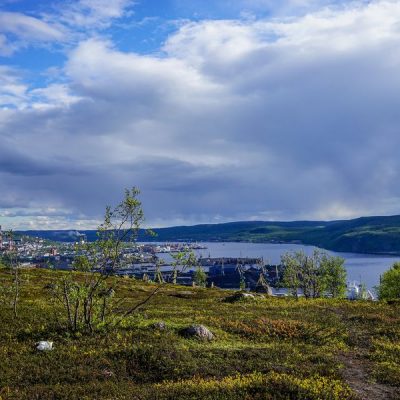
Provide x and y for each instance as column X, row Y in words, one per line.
column 356, row 374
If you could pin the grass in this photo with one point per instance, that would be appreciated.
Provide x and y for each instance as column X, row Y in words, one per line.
column 271, row 348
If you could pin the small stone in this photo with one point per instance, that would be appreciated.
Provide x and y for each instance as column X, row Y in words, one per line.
column 199, row 332
column 161, row 326
column 44, row 345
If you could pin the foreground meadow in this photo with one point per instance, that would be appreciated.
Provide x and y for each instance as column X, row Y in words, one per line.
column 268, row 348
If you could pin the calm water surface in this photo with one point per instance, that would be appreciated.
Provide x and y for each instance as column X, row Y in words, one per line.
column 360, row 267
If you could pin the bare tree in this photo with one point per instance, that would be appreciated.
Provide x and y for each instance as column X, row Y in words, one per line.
column 86, row 298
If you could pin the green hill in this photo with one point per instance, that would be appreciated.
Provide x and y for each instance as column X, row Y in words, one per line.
column 379, row 235
column 266, row 348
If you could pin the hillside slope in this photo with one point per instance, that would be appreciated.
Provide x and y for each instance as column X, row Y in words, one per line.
column 378, row 235
column 267, row 348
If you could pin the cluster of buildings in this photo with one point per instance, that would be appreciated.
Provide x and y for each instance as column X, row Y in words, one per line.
column 7, row 243
column 158, row 248
column 153, row 262
column 29, row 251
column 222, row 272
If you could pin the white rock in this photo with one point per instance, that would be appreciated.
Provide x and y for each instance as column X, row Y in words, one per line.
column 240, row 296
column 44, row 345
column 247, row 296
column 198, row 331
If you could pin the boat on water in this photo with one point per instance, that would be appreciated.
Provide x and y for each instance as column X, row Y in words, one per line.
column 358, row 291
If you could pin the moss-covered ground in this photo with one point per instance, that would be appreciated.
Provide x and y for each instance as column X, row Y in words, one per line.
column 269, row 348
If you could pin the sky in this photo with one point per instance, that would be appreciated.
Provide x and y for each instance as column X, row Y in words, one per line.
column 218, row 110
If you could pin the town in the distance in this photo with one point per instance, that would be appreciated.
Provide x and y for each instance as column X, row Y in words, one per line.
column 156, row 262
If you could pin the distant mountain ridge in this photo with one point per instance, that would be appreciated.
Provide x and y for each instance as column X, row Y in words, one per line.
column 375, row 235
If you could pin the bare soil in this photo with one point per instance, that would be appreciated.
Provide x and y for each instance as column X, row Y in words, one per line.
column 356, row 373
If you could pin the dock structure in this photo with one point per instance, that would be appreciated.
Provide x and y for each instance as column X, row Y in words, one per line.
column 211, row 261
column 227, row 265
column 231, row 272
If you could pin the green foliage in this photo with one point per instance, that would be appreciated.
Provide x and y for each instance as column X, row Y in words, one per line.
column 164, row 359
column 361, row 235
column 183, row 260
column 200, row 277
column 11, row 293
column 334, row 275
column 242, row 284
column 389, row 287
column 272, row 348
column 87, row 304
column 6, row 287
column 316, row 275
column 386, row 354
column 379, row 235
column 274, row 385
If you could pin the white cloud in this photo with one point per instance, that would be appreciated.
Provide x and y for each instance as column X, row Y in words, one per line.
column 18, row 30
column 28, row 27
column 235, row 120
column 13, row 92
column 97, row 14
column 53, row 96
column 65, row 24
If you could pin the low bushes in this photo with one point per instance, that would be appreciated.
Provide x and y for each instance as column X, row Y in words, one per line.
column 275, row 348
column 273, row 385
column 386, row 355
column 261, row 328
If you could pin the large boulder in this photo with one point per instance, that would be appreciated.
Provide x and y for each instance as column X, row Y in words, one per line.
column 198, row 332
column 240, row 296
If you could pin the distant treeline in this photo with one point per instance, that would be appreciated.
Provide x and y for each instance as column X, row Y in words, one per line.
column 375, row 235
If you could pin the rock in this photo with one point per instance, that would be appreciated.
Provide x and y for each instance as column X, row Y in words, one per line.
column 247, row 296
column 199, row 332
column 240, row 296
column 161, row 326
column 44, row 345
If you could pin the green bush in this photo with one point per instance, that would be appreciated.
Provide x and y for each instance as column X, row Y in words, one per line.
column 255, row 386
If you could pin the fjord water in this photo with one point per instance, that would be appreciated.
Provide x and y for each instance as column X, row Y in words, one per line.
column 360, row 267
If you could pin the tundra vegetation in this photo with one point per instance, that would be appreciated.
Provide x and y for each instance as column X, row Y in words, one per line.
column 120, row 338
column 88, row 304
column 10, row 293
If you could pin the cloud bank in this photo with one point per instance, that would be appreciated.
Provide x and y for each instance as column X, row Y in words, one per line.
column 278, row 118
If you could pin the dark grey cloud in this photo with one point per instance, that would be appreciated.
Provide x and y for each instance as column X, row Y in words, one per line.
column 235, row 120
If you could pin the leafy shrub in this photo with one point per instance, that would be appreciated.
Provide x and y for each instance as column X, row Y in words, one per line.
column 387, row 372
column 160, row 360
column 386, row 354
column 280, row 329
column 255, row 386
